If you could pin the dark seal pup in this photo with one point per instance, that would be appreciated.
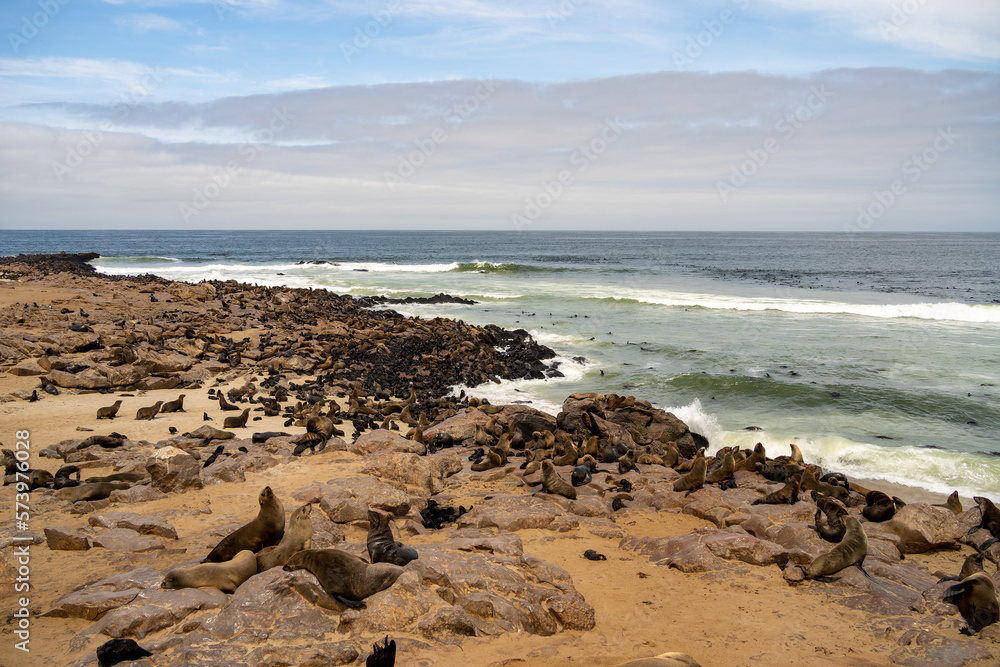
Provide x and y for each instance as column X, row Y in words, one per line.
column 265, row 530
column 345, row 576
column 382, row 548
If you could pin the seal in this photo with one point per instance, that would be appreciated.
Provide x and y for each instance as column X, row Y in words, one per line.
column 298, row 536
column 345, row 576
column 237, row 422
column 62, row 478
column 724, row 471
column 833, row 530
column 786, row 495
column 117, row 477
column 553, row 483
column 976, row 599
column 150, row 412
column 695, row 479
column 991, row 516
column 89, row 491
column 120, row 650
column 382, row 548
column 109, row 412
column 851, row 551
column 175, row 405
column 954, row 503
column 226, row 576
column 265, row 530
column 879, row 507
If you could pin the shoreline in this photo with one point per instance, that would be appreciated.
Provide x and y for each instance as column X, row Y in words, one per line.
column 592, row 614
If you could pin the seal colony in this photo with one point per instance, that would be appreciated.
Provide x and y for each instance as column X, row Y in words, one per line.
column 358, row 389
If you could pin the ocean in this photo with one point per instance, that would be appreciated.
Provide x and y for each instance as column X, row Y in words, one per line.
column 877, row 354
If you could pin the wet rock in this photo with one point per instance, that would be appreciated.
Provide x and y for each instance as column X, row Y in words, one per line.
column 61, row 538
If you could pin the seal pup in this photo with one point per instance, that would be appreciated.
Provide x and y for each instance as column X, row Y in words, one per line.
column 176, row 405
column 267, row 529
column 237, row 422
column 63, row 479
column 120, row 650
column 383, row 655
column 879, row 507
column 976, row 599
column 553, row 483
column 382, row 548
column 109, row 412
column 298, row 536
column 724, row 471
column 695, row 479
column 226, row 576
column 345, row 576
column 150, row 412
column 852, row 550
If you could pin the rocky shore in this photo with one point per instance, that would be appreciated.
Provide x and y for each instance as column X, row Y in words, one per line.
column 348, row 407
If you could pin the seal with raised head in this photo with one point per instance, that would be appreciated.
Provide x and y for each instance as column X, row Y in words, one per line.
column 553, row 483
column 345, row 576
column 786, row 495
column 267, row 529
column 150, row 412
column 298, row 536
column 976, row 599
column 110, row 411
column 852, row 550
column 695, row 479
column 176, row 405
column 237, row 422
column 226, row 576
column 990, row 516
column 954, row 503
column 382, row 548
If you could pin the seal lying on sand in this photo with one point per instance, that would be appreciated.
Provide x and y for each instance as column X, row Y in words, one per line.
column 345, row 576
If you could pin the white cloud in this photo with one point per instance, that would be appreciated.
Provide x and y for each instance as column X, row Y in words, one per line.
column 142, row 23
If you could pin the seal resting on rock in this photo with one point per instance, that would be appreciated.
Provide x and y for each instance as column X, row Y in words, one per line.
column 851, row 551
column 265, row 530
column 226, row 576
column 976, row 599
column 298, row 536
column 345, row 576
column 382, row 548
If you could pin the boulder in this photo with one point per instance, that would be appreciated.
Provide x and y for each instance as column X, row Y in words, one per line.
column 420, row 475
column 380, row 440
column 127, row 540
column 144, row 525
column 61, row 538
column 922, row 527
column 28, row 367
column 88, row 378
column 174, row 470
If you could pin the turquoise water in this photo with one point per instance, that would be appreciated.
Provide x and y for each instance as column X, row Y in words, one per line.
column 876, row 354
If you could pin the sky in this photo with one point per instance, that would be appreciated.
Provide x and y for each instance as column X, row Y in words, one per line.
column 728, row 115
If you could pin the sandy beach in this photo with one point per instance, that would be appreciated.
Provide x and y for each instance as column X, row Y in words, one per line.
column 729, row 610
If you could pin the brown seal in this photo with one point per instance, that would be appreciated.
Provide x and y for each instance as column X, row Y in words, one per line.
column 879, row 507
column 695, row 479
column 265, row 530
column 851, row 551
column 382, row 548
column 724, row 471
column 226, row 576
column 553, row 483
column 298, row 536
column 954, row 503
column 343, row 575
column 976, row 599
column 150, row 412
column 109, row 412
column 833, row 530
column 991, row 516
column 175, row 405
column 89, row 491
column 237, row 422
column 786, row 495
column 117, row 477
column 759, row 456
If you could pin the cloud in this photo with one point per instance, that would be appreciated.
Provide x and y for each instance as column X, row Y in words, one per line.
column 143, row 23
column 643, row 151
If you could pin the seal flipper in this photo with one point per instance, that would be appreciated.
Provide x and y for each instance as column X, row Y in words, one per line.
column 347, row 602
